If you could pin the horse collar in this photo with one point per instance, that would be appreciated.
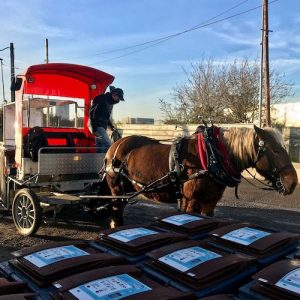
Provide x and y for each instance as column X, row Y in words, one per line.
column 214, row 157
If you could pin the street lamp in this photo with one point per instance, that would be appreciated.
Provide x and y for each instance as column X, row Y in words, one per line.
column 2, row 79
column 12, row 68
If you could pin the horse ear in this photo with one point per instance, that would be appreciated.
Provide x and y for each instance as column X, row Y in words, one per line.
column 260, row 132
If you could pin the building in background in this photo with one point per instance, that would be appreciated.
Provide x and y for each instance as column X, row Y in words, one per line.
column 286, row 114
column 129, row 120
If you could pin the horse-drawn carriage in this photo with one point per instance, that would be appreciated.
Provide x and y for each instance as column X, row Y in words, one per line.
column 48, row 155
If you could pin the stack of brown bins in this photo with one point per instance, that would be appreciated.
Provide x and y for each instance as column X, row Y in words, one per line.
column 265, row 244
column 116, row 282
column 220, row 297
column 14, row 290
column 280, row 280
column 134, row 241
column 46, row 263
column 194, row 225
column 199, row 266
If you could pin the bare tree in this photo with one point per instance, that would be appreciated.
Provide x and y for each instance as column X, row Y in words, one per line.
column 221, row 92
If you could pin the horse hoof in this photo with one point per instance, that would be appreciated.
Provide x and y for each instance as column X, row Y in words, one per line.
column 211, row 214
column 112, row 224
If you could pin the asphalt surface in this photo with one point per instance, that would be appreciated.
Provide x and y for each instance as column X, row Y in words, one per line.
column 255, row 205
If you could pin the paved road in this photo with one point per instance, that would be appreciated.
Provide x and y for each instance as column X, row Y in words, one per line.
column 262, row 207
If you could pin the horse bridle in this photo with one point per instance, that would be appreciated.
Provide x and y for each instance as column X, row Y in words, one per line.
column 275, row 172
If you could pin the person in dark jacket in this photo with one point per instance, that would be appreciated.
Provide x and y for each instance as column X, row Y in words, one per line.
column 100, row 116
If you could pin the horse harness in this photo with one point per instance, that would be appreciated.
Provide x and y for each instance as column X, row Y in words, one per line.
column 212, row 155
column 218, row 164
column 275, row 177
column 214, row 167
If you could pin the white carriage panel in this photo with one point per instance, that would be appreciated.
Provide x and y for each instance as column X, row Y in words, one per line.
column 28, row 167
column 9, row 124
column 69, row 163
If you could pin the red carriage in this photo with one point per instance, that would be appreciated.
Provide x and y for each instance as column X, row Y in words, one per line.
column 48, row 154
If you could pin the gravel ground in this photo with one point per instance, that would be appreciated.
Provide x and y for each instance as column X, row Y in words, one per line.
column 255, row 205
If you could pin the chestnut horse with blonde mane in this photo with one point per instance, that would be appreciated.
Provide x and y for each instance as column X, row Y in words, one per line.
column 134, row 162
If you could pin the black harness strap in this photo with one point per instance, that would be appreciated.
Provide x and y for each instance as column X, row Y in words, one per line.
column 275, row 172
column 175, row 169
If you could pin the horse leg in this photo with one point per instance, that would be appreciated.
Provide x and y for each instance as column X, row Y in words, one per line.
column 193, row 206
column 117, row 211
column 208, row 209
column 190, row 205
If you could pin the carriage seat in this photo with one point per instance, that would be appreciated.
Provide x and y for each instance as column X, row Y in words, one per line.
column 63, row 138
column 37, row 138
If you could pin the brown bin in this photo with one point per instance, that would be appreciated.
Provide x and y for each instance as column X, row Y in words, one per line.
column 197, row 264
column 280, row 280
column 9, row 287
column 135, row 240
column 26, row 296
column 220, row 297
column 47, row 263
column 254, row 240
column 127, row 282
column 190, row 224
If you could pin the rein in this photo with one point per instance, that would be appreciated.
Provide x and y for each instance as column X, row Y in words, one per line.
column 157, row 186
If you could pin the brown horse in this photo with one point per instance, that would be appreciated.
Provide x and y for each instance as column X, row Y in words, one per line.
column 134, row 162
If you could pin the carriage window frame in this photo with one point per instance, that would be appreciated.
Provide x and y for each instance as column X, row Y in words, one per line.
column 46, row 111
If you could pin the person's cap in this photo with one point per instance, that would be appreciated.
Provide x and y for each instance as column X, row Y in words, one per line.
column 119, row 92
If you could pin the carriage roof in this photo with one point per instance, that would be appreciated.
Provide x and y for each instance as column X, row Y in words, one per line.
column 65, row 80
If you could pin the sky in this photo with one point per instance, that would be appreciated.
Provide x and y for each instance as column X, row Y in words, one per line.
column 104, row 34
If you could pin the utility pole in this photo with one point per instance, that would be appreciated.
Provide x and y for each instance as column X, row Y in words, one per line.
column 47, row 54
column 261, row 67
column 12, row 70
column 266, row 61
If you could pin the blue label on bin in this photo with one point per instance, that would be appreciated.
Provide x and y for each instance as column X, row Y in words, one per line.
column 180, row 220
column 290, row 281
column 128, row 235
column 53, row 255
column 186, row 259
column 110, row 288
column 245, row 236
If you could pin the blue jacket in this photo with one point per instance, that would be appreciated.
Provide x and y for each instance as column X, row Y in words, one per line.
column 101, row 110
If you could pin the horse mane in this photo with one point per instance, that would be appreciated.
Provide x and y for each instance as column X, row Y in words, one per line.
column 276, row 134
column 240, row 142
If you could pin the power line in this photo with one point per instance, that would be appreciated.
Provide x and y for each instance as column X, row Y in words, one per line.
column 158, row 40
column 183, row 32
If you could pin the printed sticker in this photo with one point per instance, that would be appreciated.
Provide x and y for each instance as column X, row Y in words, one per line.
column 290, row 281
column 128, row 235
column 180, row 220
column 113, row 287
column 53, row 255
column 186, row 259
column 245, row 236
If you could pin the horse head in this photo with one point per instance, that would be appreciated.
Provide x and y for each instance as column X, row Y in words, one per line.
column 273, row 162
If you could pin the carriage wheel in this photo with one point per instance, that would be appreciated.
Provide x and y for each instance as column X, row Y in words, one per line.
column 26, row 212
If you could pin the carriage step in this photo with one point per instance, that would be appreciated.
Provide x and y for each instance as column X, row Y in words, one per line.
column 99, row 197
column 59, row 198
